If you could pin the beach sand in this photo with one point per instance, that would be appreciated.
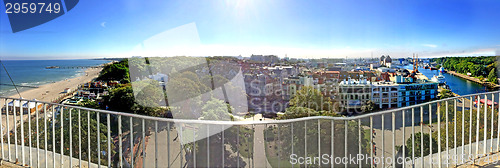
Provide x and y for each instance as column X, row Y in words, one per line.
column 54, row 90
column 51, row 91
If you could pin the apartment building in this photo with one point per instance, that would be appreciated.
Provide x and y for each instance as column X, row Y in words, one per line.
column 414, row 91
column 385, row 94
column 353, row 94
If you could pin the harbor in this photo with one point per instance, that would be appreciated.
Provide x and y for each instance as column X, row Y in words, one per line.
column 458, row 85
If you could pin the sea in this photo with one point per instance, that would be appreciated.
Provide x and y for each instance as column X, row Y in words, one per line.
column 35, row 73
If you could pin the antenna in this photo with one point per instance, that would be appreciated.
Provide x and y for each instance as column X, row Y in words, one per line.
column 13, row 84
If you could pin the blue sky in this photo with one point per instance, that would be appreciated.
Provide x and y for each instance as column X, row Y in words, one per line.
column 307, row 29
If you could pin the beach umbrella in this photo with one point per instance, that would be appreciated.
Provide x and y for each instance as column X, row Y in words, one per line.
column 15, row 103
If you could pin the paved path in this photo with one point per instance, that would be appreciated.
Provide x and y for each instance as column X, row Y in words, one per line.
column 259, row 148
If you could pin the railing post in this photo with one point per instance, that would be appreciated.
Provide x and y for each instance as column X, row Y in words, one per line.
column 29, row 133
column 455, row 129
column 253, row 130
column 413, row 136
column 485, row 149
column 144, row 144
column 439, row 133
column 421, row 136
column 371, row 141
column 120, row 147
column 208, row 145
column 470, row 127
column 62, row 137
column 70, row 139
column 194, row 147
column 168, row 144
column 492, row 119
column 463, row 131
column 15, row 128
column 131, row 141
column 37, row 137
column 430, row 135
column 447, row 135
column 89, row 151
column 109, row 138
column 345, row 140
column 319, row 142
column 383, row 139
column 403, row 135
column 21, row 111
column 393, row 139
column 332, row 141
column 1, row 128
column 46, row 139
column 291, row 125
column 156, row 143
column 54, row 136
column 498, row 124
column 478, row 101
column 305, row 140
column 8, row 129
column 98, row 117
column 238, row 146
column 359, row 140
column 180, row 140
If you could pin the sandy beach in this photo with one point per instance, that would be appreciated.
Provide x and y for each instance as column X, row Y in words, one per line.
column 51, row 91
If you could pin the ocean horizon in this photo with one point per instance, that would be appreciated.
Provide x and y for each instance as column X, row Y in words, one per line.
column 35, row 73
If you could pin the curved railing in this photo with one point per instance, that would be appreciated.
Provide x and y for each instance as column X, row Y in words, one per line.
column 41, row 134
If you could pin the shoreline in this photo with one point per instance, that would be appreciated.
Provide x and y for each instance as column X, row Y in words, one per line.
column 51, row 91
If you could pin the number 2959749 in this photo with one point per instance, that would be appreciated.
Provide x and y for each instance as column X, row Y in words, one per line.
column 32, row 7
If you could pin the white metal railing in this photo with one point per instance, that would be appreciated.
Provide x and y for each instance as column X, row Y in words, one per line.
column 43, row 134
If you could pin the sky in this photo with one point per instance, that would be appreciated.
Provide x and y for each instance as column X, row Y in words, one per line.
column 293, row 28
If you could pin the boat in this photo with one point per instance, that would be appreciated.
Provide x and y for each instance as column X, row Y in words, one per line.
column 441, row 70
column 440, row 79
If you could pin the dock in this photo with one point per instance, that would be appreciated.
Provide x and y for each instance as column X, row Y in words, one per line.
column 18, row 85
column 488, row 84
column 73, row 67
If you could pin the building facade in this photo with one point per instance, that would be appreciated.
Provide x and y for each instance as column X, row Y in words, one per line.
column 385, row 94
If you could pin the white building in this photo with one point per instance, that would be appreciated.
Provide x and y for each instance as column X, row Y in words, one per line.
column 385, row 94
column 353, row 94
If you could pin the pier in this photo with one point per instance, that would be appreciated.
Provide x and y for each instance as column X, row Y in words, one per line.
column 72, row 67
column 18, row 85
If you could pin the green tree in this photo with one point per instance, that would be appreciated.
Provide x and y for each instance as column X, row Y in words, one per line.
column 298, row 112
column 418, row 145
column 445, row 93
column 89, row 103
column 492, row 76
column 311, row 98
column 216, row 109
column 117, row 71
column 368, row 107
column 121, row 99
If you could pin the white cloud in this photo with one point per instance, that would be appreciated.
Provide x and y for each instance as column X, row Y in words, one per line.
column 465, row 53
column 103, row 24
column 430, row 45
